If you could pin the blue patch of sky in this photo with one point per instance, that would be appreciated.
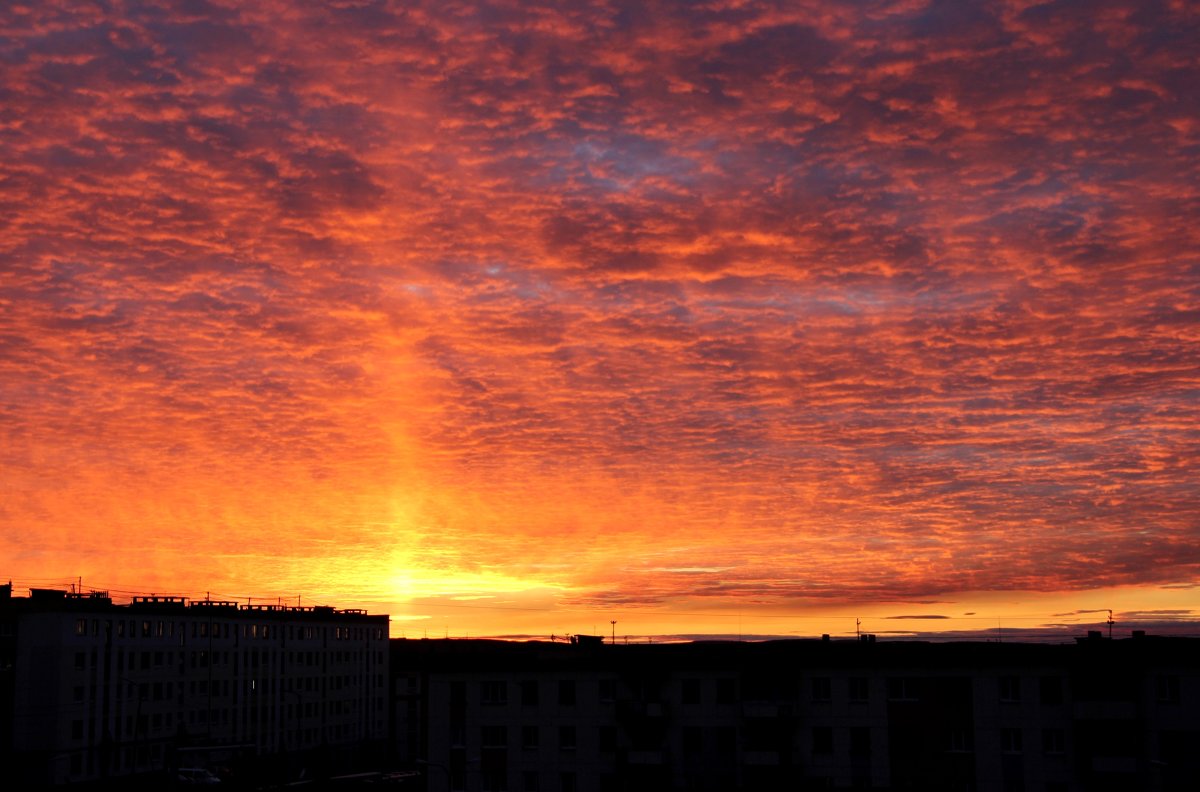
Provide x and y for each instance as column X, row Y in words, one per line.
column 626, row 160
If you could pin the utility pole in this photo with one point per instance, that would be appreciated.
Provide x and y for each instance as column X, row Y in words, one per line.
column 613, row 622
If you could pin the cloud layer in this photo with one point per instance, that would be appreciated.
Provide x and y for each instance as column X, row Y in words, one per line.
column 649, row 303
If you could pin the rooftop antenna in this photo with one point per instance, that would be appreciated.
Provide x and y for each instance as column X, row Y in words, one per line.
column 1110, row 623
column 857, row 626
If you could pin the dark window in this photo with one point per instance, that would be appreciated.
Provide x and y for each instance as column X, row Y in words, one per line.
column 691, row 691
column 608, row 689
column 495, row 691
column 1051, row 691
column 566, row 692
column 693, row 740
column 959, row 740
column 1014, row 783
column 494, row 736
column 822, row 689
column 529, row 737
column 608, row 739
column 726, row 691
column 566, row 738
column 529, row 693
column 726, row 741
column 859, row 689
column 531, row 780
column 1010, row 740
column 1166, row 688
column 1010, row 688
column 567, row 782
column 1054, row 741
column 903, row 689
column 822, row 740
column 860, row 741
column 76, row 730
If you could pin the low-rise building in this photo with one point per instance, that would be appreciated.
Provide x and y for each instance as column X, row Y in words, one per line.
column 988, row 717
column 91, row 689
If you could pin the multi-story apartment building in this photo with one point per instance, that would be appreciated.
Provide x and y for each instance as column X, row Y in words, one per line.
column 90, row 689
column 1094, row 715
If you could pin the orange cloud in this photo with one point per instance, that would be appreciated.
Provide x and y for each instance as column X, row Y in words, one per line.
column 657, row 306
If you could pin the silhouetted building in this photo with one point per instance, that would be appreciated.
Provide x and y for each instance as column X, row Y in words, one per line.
column 538, row 717
column 90, row 689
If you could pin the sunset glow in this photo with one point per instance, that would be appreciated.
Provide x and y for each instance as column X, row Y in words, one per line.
column 741, row 318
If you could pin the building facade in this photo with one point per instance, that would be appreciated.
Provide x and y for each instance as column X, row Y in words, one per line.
column 94, row 690
column 987, row 717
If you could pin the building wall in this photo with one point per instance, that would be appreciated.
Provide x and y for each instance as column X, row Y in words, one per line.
column 105, row 690
column 800, row 715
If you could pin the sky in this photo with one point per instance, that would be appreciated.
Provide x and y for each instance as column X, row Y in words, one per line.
column 518, row 318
